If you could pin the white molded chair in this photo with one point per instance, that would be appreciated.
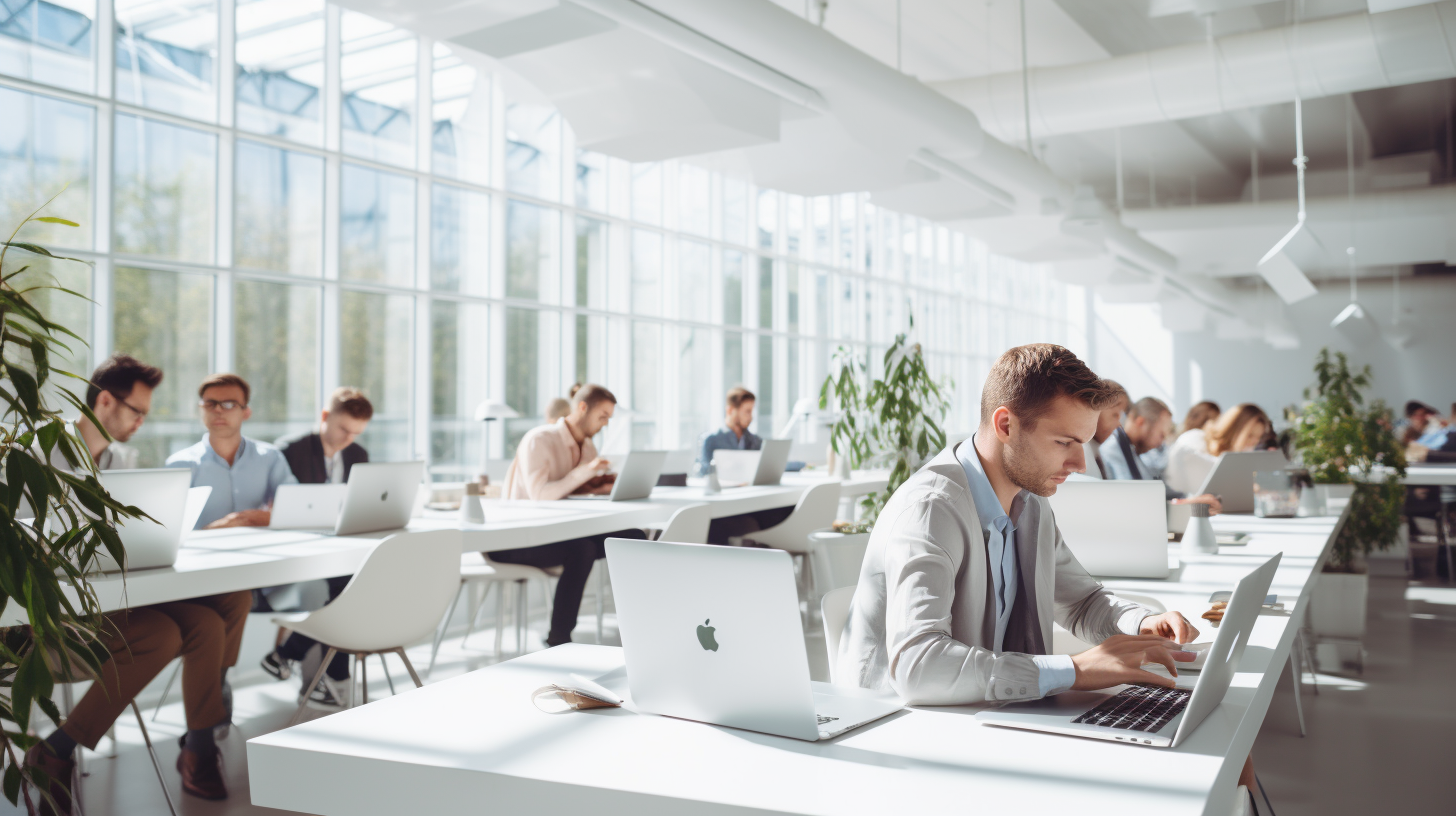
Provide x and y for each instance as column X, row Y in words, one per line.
column 477, row 569
column 815, row 511
column 395, row 599
column 834, row 610
column 689, row 525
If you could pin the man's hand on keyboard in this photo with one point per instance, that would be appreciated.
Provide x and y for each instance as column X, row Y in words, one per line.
column 1171, row 625
column 1119, row 660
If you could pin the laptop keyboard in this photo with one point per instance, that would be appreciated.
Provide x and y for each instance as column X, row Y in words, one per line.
column 1138, row 708
column 825, row 719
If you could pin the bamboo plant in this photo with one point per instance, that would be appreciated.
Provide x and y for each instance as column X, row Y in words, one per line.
column 894, row 421
column 54, row 624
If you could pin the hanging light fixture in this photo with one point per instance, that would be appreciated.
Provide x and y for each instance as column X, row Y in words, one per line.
column 1353, row 321
column 1402, row 328
column 1277, row 267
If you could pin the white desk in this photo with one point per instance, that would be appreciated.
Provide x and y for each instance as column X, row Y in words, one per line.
column 476, row 742
column 1423, row 474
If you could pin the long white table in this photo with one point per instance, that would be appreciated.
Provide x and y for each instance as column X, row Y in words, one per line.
column 476, row 742
column 215, row 561
column 1433, row 474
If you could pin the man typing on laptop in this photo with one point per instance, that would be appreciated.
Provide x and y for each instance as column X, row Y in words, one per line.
column 966, row 570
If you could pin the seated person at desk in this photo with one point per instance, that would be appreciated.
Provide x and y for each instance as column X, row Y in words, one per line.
column 324, row 456
column 1144, row 429
column 1192, row 455
column 966, row 571
column 1107, row 421
column 734, row 435
column 205, row 632
column 552, row 462
column 243, row 473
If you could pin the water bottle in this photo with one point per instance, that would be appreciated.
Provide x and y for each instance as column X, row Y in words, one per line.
column 471, row 511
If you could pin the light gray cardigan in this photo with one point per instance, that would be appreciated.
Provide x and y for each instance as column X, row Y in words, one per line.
column 922, row 621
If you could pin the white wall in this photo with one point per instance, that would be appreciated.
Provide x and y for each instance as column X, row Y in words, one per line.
column 1238, row 371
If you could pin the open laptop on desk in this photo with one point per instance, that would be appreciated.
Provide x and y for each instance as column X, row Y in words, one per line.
column 700, row 647
column 1115, row 528
column 1148, row 715
column 161, row 493
column 379, row 496
column 764, row 466
column 635, row 480
column 1232, row 478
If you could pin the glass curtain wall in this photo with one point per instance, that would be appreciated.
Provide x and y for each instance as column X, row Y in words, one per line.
column 440, row 244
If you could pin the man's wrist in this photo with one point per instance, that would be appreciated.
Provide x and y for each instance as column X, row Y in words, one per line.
column 1055, row 673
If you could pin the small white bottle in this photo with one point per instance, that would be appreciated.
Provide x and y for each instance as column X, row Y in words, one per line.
column 1199, row 538
column 713, row 487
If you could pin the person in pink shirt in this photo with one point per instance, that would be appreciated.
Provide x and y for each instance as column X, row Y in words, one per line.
column 552, row 462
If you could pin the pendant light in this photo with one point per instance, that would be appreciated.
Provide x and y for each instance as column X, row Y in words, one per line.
column 1277, row 267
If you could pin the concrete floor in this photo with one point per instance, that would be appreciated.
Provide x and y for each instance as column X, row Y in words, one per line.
column 1378, row 742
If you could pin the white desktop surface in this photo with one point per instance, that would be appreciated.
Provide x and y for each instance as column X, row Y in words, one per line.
column 1433, row 474
column 476, row 742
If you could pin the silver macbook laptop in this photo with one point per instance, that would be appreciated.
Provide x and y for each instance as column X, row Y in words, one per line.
column 160, row 493
column 1151, row 715
column 1116, row 528
column 636, row 478
column 1232, row 478
column 381, row 496
column 764, row 466
column 699, row 647
column 307, row 506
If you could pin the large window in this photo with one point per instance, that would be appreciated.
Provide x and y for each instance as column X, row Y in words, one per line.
column 404, row 220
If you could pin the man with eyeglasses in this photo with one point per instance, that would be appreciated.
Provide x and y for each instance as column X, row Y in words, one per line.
column 120, row 395
column 243, row 473
column 206, row 633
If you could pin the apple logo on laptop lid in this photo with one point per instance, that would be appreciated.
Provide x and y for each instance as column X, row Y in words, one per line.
column 706, row 638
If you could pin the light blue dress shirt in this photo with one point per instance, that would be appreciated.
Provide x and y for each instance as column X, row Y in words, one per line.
column 1114, row 459
column 1056, row 673
column 724, row 439
column 247, row 484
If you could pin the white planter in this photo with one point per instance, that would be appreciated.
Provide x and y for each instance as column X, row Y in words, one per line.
column 1337, row 608
column 1334, row 497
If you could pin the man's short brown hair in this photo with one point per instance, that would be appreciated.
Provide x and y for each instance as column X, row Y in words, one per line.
column 350, row 401
column 737, row 395
column 118, row 375
column 593, row 395
column 1151, row 409
column 222, row 380
column 1028, row 378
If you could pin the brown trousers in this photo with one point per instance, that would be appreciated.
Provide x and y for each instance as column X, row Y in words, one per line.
column 205, row 632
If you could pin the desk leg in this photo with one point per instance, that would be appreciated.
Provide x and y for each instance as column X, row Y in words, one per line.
column 1294, row 675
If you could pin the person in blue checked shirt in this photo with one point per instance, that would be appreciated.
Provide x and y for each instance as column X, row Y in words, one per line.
column 243, row 473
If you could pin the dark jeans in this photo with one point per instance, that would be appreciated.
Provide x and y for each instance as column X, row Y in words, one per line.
column 296, row 646
column 576, row 558
column 721, row 529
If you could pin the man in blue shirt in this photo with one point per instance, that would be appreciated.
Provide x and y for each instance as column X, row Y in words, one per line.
column 1143, row 430
column 243, row 473
column 734, row 435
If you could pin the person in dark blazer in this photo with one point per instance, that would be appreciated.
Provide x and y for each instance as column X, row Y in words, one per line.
column 324, row 456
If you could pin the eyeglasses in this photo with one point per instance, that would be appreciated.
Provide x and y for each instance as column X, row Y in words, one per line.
column 135, row 410
column 225, row 405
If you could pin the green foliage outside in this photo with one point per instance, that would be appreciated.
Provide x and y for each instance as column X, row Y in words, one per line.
column 1340, row 438
column 44, row 560
column 894, row 422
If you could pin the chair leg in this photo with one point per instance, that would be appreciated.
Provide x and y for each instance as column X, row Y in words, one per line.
column 500, row 617
column 409, row 666
column 522, row 609
column 385, row 666
column 440, row 633
column 308, row 689
column 364, row 678
column 176, row 670
column 156, row 766
column 474, row 614
column 1294, row 675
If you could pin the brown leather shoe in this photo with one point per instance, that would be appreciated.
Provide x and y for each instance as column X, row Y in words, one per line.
column 202, row 775
column 61, row 771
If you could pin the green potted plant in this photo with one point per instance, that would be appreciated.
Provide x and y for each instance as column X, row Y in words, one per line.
column 892, row 422
column 1343, row 441
column 44, row 559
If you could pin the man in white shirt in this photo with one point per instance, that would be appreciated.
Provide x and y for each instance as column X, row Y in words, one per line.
column 1144, row 430
column 966, row 570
